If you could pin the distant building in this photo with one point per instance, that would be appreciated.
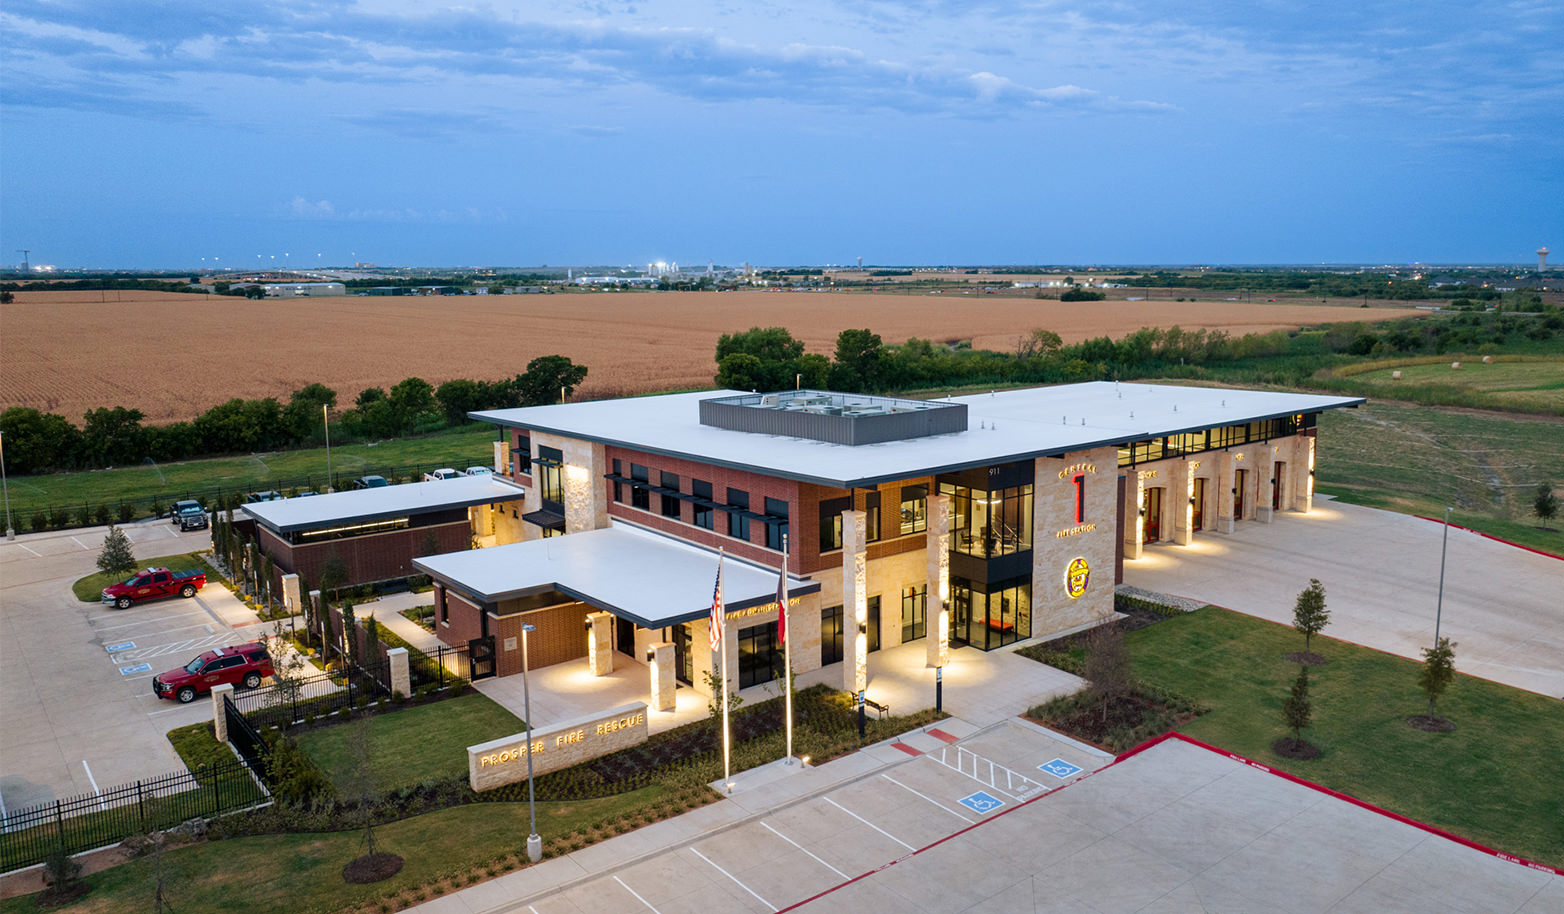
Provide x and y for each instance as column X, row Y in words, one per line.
column 303, row 289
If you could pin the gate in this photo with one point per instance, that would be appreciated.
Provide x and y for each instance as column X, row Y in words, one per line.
column 480, row 658
column 247, row 740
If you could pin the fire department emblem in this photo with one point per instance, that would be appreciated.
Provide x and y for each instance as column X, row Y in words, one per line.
column 1076, row 577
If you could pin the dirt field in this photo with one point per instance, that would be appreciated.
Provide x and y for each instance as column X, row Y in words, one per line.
column 173, row 356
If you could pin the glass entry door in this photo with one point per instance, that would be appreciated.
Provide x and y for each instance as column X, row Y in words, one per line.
column 1240, row 486
column 683, row 658
column 1198, row 520
column 1153, row 520
column 1280, row 473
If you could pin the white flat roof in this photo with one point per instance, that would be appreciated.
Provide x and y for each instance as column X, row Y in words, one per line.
column 381, row 502
column 651, row 579
column 1002, row 427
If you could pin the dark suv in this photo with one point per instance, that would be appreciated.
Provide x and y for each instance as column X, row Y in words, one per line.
column 241, row 664
column 189, row 515
column 370, row 482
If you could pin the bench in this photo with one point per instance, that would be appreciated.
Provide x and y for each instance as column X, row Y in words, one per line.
column 879, row 709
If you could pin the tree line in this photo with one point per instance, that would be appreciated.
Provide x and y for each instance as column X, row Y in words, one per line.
column 38, row 442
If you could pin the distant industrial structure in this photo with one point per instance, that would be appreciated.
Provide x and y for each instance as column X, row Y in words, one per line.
column 303, row 289
column 1542, row 258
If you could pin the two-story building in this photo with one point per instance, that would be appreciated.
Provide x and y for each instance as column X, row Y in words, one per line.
column 979, row 521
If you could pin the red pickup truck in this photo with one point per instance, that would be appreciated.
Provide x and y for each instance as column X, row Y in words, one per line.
column 241, row 664
column 153, row 584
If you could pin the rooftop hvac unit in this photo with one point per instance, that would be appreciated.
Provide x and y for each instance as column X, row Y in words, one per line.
column 770, row 400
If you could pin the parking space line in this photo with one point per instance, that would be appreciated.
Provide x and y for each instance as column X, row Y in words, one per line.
column 109, row 628
column 639, row 898
column 734, row 878
column 805, row 850
column 868, row 823
column 927, row 797
column 24, row 546
column 81, row 544
column 94, row 781
column 1017, row 785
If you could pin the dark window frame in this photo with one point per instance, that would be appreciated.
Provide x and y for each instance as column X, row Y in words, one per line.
column 701, row 489
column 640, row 489
column 914, row 509
column 670, row 502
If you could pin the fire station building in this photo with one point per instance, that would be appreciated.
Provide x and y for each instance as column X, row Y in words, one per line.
column 980, row 521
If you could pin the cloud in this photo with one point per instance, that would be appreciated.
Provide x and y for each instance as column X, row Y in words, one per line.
column 304, row 209
column 595, row 130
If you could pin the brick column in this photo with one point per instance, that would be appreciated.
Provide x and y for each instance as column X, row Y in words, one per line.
column 1265, row 479
column 600, row 644
column 855, row 602
column 290, row 594
column 220, row 719
column 937, row 553
column 401, row 676
column 1225, row 480
column 1181, row 490
column 662, row 697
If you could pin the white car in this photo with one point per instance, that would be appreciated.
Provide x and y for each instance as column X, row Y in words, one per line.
column 479, row 471
column 442, row 473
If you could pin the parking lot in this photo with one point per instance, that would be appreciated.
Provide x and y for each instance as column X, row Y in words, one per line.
column 78, row 709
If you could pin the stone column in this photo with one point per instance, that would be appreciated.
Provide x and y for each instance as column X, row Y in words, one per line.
column 1303, row 474
column 401, row 676
column 600, row 643
column 290, row 594
column 502, row 456
column 586, row 500
column 1135, row 503
column 1181, row 490
column 937, row 602
column 1225, row 480
column 1265, row 480
column 220, row 719
column 855, row 602
column 663, row 685
column 704, row 659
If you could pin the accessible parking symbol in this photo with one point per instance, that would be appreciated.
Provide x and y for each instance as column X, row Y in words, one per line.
column 1060, row 768
column 138, row 668
column 981, row 802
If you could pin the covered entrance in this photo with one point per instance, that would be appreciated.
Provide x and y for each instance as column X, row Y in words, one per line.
column 1151, row 524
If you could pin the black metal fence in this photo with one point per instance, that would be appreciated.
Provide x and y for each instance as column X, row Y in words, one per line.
column 31, row 834
column 33, row 516
column 284, row 704
column 247, row 741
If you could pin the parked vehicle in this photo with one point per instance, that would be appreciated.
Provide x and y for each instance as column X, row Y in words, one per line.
column 370, row 482
column 189, row 515
column 442, row 473
column 153, row 584
column 479, row 471
column 264, row 496
column 240, row 665
column 306, row 494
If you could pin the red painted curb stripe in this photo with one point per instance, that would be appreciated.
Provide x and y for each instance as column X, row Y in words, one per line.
column 1354, row 801
column 937, row 733
column 907, row 749
column 1497, row 539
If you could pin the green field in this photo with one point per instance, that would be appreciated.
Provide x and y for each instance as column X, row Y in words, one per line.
column 1495, row 779
column 90, row 588
column 442, row 731
column 1419, row 459
column 282, row 470
column 1530, row 385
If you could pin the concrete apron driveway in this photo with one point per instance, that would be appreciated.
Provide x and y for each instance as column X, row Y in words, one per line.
column 72, row 722
column 1503, row 606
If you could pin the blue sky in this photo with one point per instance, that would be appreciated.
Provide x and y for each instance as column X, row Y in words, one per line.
column 180, row 134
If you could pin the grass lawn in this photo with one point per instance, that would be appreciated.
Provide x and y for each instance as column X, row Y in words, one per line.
column 1494, row 780
column 441, row 731
column 1533, row 385
column 304, row 872
column 305, row 469
column 1418, row 459
column 90, row 588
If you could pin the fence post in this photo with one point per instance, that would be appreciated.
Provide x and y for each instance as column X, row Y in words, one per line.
column 141, row 807
column 219, row 715
column 59, row 821
column 401, row 677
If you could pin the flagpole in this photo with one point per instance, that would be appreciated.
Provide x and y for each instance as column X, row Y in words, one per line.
column 787, row 649
column 722, row 666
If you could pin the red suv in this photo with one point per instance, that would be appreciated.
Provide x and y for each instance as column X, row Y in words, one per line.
column 241, row 664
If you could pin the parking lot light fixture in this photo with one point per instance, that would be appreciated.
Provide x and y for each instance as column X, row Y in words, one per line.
column 325, row 416
column 10, row 531
column 534, row 841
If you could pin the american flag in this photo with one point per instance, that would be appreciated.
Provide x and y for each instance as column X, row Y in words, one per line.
column 782, row 604
column 716, row 609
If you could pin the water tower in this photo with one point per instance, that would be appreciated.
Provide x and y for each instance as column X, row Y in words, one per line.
column 1542, row 258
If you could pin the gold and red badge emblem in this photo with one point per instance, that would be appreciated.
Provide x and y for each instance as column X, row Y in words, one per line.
column 1076, row 577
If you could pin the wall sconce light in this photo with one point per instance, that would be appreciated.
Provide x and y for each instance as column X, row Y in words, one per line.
column 651, row 655
column 863, row 628
column 1235, row 490
column 1273, row 480
column 1142, row 512
column 1191, row 499
column 588, row 625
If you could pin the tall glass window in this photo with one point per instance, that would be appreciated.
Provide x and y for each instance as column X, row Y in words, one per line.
column 830, row 635
column 640, row 496
column 831, row 522
column 776, row 529
column 914, row 509
column 702, row 489
column 871, row 519
column 738, row 522
column 992, row 523
column 760, row 659
column 914, row 613
column 670, row 503
column 551, row 483
column 995, row 617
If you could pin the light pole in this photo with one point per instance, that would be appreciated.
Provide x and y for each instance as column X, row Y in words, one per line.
column 10, row 532
column 534, row 841
column 325, row 416
column 1439, row 605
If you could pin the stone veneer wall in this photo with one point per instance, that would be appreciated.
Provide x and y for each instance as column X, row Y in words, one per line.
column 1053, row 609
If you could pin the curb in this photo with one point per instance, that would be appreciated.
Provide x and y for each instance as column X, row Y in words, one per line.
column 1497, row 539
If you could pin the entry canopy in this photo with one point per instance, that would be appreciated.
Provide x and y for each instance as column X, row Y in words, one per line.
column 360, row 505
column 650, row 579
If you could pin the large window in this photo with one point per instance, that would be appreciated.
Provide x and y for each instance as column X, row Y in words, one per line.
column 551, row 482
column 640, row 495
column 830, row 635
column 1214, row 438
column 988, row 524
column 521, row 454
column 702, row 489
column 871, row 525
column 872, row 622
column 990, row 616
column 914, row 613
column 670, row 503
column 619, row 492
column 831, row 522
column 776, row 529
column 738, row 521
column 760, row 657
column 914, row 509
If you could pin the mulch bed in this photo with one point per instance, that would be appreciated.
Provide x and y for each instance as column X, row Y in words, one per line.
column 1431, row 724
column 1297, row 749
column 372, row 868
column 1306, row 658
column 1126, row 712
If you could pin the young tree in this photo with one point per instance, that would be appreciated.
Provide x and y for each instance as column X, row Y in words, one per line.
column 116, row 557
column 1545, row 506
column 1107, row 666
column 1309, row 614
column 333, row 576
column 1437, row 673
column 349, row 634
column 1296, row 710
